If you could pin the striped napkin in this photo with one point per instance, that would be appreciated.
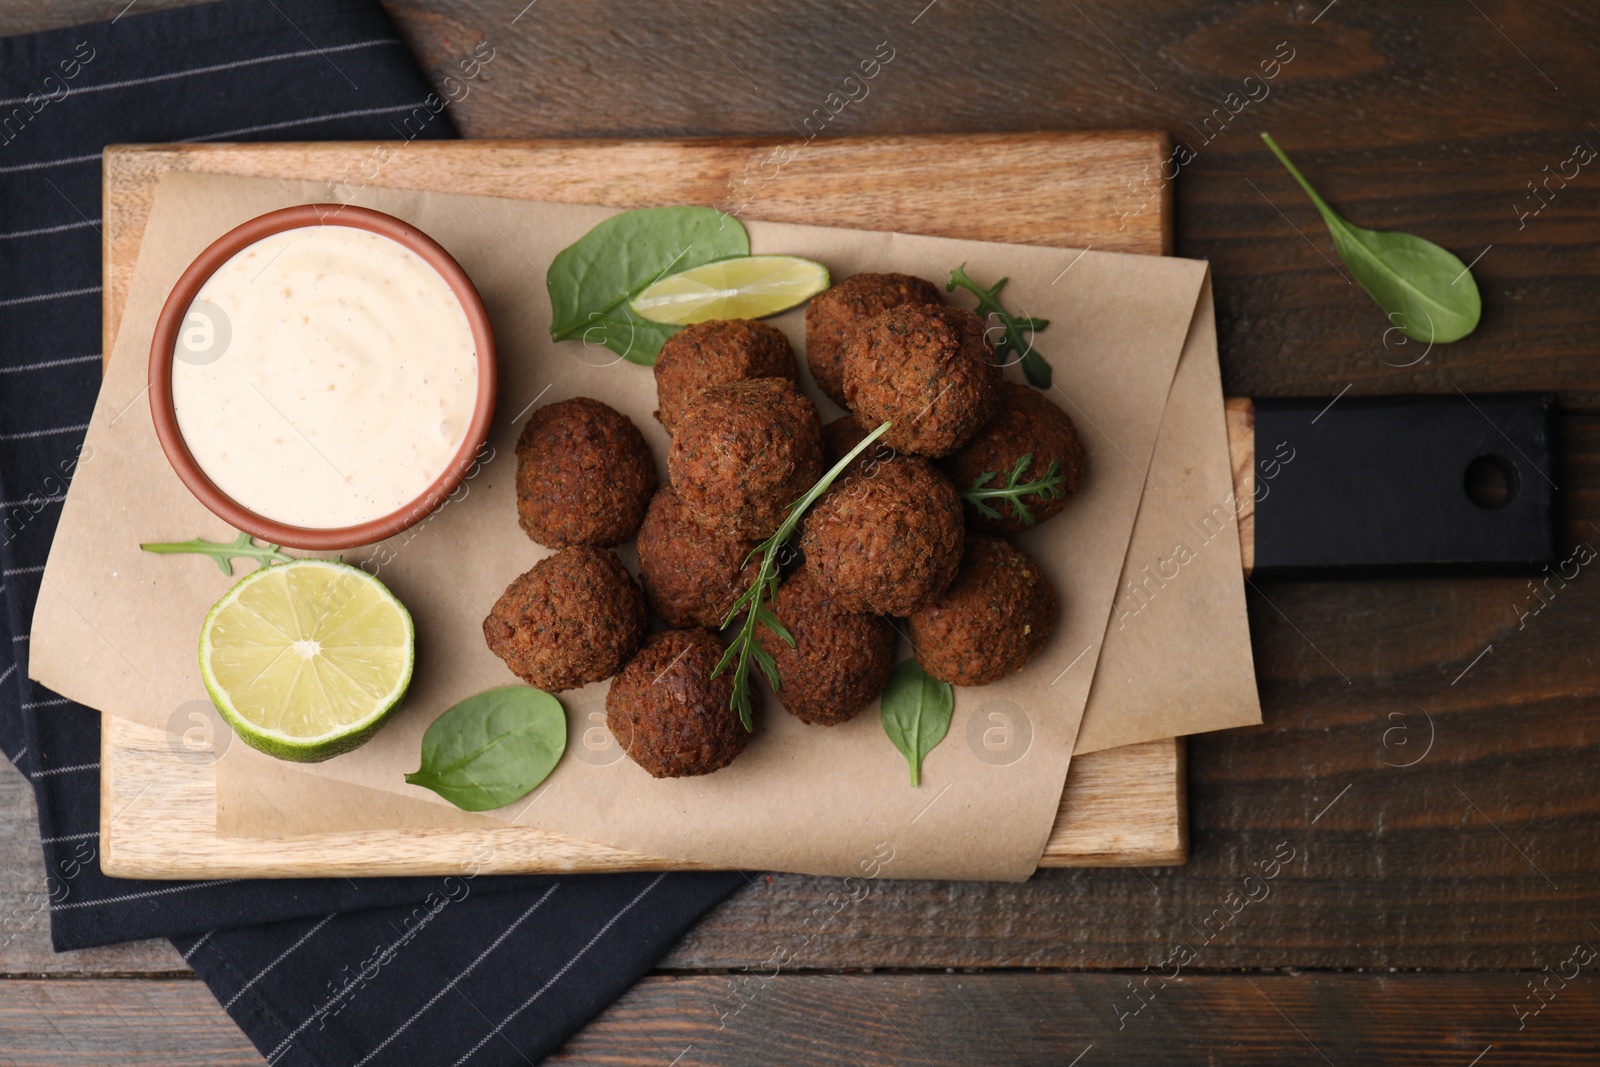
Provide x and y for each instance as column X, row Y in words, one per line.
column 410, row 971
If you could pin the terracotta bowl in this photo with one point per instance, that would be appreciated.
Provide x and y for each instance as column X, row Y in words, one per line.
column 169, row 325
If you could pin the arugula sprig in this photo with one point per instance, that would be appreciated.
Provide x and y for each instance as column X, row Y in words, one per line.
column 224, row 553
column 756, row 602
column 1034, row 367
column 1052, row 486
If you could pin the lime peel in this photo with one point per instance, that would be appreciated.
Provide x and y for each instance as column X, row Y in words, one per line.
column 306, row 660
column 742, row 287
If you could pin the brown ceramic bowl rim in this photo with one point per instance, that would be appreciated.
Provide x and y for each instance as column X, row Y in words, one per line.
column 163, row 348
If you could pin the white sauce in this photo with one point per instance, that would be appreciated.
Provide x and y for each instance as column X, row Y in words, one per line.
column 325, row 376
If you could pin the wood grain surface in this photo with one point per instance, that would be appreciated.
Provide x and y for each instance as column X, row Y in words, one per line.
column 915, row 1020
column 1057, row 188
column 158, row 819
column 1482, row 855
column 1120, row 806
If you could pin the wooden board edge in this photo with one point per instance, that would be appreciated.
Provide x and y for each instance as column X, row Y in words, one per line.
column 1240, row 413
column 128, row 164
column 110, row 312
column 1084, row 833
column 512, row 850
column 108, row 765
column 1169, row 200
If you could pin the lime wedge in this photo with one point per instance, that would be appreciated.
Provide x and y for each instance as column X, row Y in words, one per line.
column 745, row 287
column 306, row 659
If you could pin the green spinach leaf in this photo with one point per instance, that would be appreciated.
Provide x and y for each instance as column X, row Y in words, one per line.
column 492, row 748
column 592, row 280
column 916, row 710
column 1424, row 289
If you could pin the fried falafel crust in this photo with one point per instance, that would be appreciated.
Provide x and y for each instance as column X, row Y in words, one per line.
column 584, row 475
column 714, row 353
column 690, row 575
column 667, row 712
column 930, row 369
column 993, row 619
column 886, row 537
column 576, row 617
column 1028, row 423
column 843, row 434
column 743, row 453
column 841, row 660
column 839, row 437
column 835, row 313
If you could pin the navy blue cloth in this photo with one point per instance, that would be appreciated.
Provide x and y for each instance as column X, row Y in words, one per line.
column 316, row 971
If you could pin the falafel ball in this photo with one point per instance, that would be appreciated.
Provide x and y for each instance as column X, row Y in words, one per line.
column 843, row 434
column 840, row 661
column 575, row 618
column 887, row 540
column 930, row 369
column 584, row 475
column 667, row 712
column 993, row 619
column 690, row 575
column 834, row 313
column 839, row 437
column 1027, row 424
column 711, row 353
column 744, row 452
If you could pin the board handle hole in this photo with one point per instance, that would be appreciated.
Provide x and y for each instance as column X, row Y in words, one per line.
column 1492, row 482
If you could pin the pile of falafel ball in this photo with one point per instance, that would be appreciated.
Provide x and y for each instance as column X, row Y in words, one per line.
column 889, row 539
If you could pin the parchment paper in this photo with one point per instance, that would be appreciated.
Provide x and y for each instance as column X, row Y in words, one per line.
column 1177, row 648
column 115, row 627
column 1147, row 684
column 1148, row 681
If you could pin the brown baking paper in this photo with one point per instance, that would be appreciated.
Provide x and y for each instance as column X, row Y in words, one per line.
column 115, row 627
column 1177, row 649
column 1147, row 684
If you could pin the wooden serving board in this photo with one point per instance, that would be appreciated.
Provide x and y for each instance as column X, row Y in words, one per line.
column 1122, row 806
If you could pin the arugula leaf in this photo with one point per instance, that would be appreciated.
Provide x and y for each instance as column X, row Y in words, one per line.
column 592, row 280
column 492, row 748
column 223, row 554
column 1051, row 487
column 1034, row 368
column 1424, row 289
column 916, row 710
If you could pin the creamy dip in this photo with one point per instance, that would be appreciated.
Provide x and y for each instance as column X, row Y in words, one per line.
column 324, row 376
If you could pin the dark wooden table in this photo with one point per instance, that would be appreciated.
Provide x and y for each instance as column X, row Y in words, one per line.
column 1425, row 903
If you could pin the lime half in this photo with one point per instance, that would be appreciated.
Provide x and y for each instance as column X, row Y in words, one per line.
column 306, row 659
column 745, row 287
